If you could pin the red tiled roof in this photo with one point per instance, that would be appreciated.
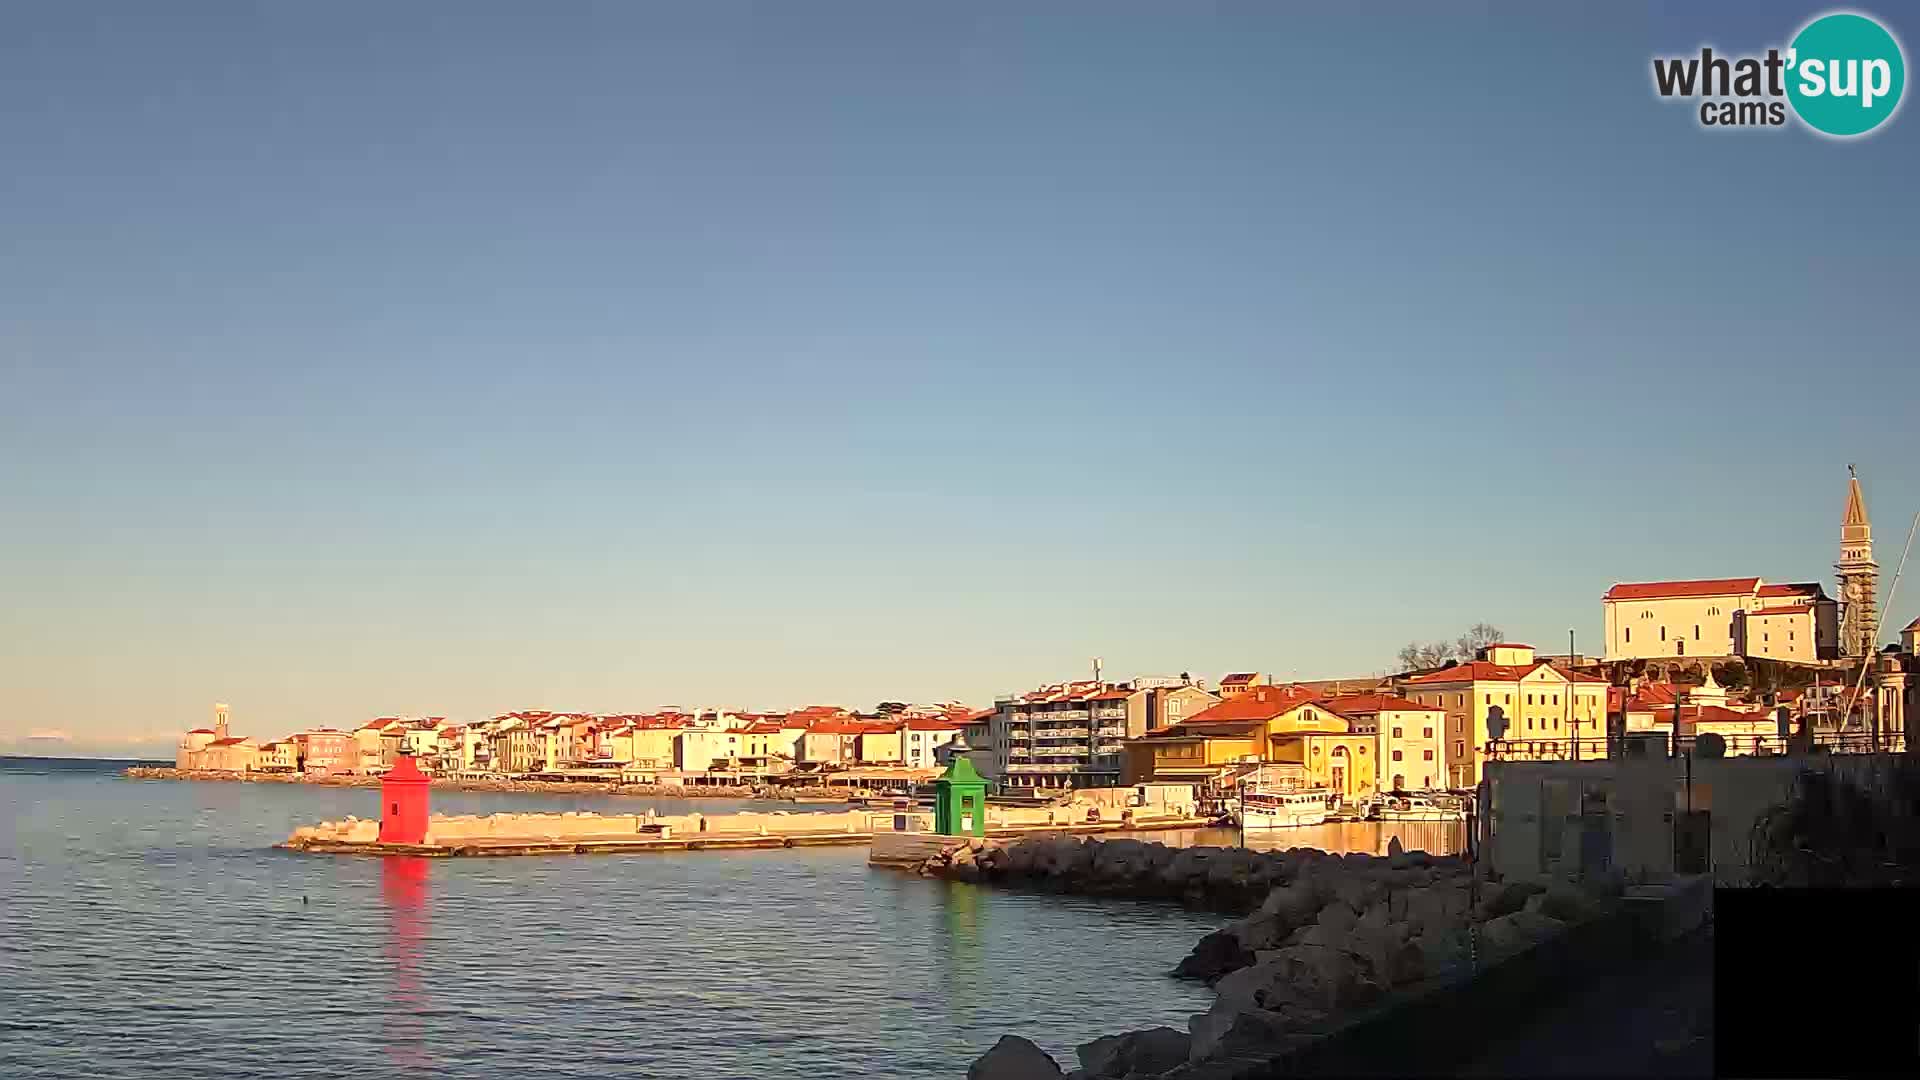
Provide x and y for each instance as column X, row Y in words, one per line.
column 226, row 742
column 1803, row 589
column 203, row 731
column 1662, row 590
column 1373, row 703
column 1506, row 645
column 1111, row 695
column 919, row 723
column 837, row 726
column 976, row 717
column 1258, row 703
column 1487, row 671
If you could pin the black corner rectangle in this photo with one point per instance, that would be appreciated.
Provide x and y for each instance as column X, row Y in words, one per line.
column 1816, row 983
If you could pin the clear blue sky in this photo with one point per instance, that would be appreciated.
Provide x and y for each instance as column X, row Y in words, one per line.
column 450, row 358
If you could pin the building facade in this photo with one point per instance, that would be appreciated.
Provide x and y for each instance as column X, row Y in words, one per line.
column 325, row 752
column 1545, row 709
column 1407, row 738
column 1721, row 617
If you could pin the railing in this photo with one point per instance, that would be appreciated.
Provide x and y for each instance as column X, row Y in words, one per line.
column 1064, row 714
column 1110, row 748
column 1062, row 733
column 1664, row 744
column 1044, row 768
column 1112, row 732
column 1110, row 714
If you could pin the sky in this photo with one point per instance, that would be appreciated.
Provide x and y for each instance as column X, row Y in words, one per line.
column 449, row 359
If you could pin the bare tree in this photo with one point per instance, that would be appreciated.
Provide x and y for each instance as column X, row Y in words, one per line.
column 1477, row 637
column 1415, row 655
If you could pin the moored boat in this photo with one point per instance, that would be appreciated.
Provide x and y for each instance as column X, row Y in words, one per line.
column 1418, row 807
column 1282, row 809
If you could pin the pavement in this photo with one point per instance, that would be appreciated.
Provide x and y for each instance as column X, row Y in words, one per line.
column 1655, row 1019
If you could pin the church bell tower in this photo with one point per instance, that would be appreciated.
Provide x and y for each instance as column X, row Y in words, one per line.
column 1859, row 575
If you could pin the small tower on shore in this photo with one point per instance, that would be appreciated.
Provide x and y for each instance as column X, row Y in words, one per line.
column 220, row 720
column 403, row 803
column 1859, row 575
column 960, row 800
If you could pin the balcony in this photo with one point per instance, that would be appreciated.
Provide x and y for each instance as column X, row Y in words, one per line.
column 1018, row 755
column 1065, row 714
column 1110, row 713
column 1110, row 748
column 1112, row 733
column 1062, row 733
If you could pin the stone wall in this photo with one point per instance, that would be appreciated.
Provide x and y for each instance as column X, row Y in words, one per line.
column 444, row 830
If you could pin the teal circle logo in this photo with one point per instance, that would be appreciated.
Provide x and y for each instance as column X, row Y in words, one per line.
column 1845, row 73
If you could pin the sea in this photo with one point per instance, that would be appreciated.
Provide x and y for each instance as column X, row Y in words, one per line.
column 152, row 929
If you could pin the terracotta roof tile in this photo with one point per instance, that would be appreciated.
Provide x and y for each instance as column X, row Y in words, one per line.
column 1662, row 590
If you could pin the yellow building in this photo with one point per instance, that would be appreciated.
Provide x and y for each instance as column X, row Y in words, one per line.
column 1721, row 617
column 1407, row 737
column 1265, row 724
column 1545, row 709
column 277, row 757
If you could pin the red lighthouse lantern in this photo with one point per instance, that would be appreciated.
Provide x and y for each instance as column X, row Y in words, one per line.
column 403, row 803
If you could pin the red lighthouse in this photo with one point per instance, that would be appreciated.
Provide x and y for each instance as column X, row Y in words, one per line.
column 403, row 803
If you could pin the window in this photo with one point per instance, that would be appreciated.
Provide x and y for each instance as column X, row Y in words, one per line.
column 1629, row 633
column 1396, row 755
column 1429, row 755
column 1663, row 633
column 1556, row 699
column 1713, row 611
column 1696, row 631
column 1489, row 700
column 1529, row 699
column 1459, row 749
column 1426, row 781
column 1529, row 723
column 1509, row 699
column 1396, row 733
column 1426, row 733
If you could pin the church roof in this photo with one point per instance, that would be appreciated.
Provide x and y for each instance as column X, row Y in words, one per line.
column 1663, row 590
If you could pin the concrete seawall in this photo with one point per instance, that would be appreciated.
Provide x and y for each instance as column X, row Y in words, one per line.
column 582, row 833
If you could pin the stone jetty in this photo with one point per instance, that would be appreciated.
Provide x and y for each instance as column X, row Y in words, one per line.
column 1319, row 937
column 574, row 833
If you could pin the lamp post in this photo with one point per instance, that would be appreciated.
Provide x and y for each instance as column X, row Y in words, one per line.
column 1572, row 724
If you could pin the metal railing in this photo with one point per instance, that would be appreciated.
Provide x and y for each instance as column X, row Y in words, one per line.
column 1665, row 744
column 1062, row 733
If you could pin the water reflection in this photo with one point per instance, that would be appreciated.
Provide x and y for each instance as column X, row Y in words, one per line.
column 961, row 949
column 404, row 887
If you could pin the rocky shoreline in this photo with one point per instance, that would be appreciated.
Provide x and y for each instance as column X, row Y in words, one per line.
column 539, row 787
column 1319, row 937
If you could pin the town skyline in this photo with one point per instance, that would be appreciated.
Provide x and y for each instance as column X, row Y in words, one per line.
column 603, row 357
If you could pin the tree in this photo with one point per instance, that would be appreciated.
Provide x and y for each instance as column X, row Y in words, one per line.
column 1478, row 636
column 1415, row 655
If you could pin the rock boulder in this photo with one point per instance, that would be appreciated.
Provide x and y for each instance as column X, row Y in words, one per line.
column 1014, row 1058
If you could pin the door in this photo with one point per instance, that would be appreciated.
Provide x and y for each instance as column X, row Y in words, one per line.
column 1337, row 770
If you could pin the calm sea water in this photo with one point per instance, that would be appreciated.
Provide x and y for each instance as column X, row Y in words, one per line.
column 150, row 929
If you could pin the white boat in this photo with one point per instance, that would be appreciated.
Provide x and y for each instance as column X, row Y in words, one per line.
column 1282, row 809
column 1417, row 808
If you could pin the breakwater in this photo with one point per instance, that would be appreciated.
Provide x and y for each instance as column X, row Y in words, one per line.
column 1321, row 938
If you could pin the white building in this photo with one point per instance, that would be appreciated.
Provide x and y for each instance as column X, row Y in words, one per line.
column 1721, row 617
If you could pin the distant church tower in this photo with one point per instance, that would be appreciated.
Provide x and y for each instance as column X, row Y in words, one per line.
column 220, row 720
column 1859, row 576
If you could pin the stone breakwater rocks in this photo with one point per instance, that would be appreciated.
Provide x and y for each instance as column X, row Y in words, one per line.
column 1319, row 935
